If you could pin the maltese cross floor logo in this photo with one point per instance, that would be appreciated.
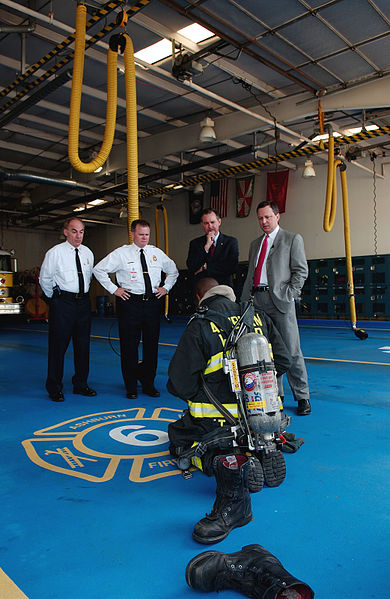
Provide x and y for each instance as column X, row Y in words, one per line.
column 93, row 446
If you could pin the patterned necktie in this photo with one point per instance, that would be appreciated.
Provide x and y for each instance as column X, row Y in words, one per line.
column 145, row 272
column 79, row 272
column 256, row 278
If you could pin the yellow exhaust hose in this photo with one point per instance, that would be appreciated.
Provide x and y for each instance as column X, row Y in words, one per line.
column 331, row 189
column 329, row 218
column 166, row 248
column 75, row 100
column 131, row 136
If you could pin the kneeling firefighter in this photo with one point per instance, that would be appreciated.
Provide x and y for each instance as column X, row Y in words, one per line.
column 217, row 433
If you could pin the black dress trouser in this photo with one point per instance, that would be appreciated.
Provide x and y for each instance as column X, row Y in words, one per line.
column 69, row 318
column 137, row 317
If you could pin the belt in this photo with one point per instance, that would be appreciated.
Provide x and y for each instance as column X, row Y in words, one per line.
column 141, row 297
column 74, row 295
column 261, row 288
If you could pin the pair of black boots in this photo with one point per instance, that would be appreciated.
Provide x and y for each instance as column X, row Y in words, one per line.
column 253, row 571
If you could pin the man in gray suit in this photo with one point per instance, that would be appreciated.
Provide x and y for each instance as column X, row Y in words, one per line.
column 276, row 273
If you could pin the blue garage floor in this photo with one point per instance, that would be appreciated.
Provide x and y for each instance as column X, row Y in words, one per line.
column 93, row 510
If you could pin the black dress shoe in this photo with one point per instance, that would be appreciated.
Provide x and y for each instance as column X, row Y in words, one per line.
column 57, row 396
column 87, row 391
column 152, row 391
column 304, row 407
column 132, row 395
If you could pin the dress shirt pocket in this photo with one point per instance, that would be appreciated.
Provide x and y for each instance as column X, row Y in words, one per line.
column 68, row 275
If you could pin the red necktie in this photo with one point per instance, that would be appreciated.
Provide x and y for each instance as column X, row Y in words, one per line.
column 256, row 278
column 212, row 250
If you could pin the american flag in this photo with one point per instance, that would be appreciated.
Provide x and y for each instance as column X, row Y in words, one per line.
column 218, row 196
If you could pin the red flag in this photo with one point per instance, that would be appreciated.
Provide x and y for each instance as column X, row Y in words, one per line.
column 277, row 188
column 218, row 196
column 244, row 195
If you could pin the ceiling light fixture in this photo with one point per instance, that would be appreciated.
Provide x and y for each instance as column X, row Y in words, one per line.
column 123, row 212
column 207, row 132
column 26, row 199
column 308, row 171
column 325, row 136
column 356, row 130
column 196, row 33
column 96, row 202
column 163, row 48
column 198, row 189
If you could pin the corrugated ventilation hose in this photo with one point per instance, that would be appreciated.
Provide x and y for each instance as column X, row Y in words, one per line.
column 161, row 207
column 122, row 42
column 329, row 218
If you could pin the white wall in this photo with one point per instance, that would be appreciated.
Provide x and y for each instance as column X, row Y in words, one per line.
column 304, row 214
column 30, row 245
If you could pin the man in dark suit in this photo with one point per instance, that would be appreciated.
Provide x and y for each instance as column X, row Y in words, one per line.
column 276, row 273
column 213, row 255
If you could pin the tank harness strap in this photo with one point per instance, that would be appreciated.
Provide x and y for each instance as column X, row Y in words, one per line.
column 221, row 438
column 216, row 403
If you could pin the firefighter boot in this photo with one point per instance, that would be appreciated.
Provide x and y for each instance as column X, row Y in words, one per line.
column 253, row 571
column 232, row 507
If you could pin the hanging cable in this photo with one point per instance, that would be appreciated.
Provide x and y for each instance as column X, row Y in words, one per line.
column 329, row 218
column 373, row 157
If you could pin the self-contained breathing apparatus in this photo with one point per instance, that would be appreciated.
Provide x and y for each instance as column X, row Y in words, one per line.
column 258, row 429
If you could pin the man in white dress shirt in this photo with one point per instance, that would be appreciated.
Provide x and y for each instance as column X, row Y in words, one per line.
column 138, row 269
column 65, row 277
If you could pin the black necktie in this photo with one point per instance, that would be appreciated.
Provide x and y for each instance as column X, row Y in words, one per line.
column 79, row 272
column 145, row 272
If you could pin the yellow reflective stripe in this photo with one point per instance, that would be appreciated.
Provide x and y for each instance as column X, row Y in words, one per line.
column 197, row 462
column 207, row 410
column 215, row 363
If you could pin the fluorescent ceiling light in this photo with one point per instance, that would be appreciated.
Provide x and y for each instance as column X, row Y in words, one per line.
column 155, row 52
column 178, row 186
column 98, row 170
column 96, row 202
column 196, row 33
column 325, row 136
column 78, row 208
column 355, row 130
column 162, row 49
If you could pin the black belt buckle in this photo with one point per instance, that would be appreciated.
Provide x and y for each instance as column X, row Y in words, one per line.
column 261, row 288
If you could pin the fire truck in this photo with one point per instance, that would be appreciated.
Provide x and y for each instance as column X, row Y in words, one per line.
column 9, row 304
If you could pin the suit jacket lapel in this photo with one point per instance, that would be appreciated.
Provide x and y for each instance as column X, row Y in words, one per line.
column 275, row 243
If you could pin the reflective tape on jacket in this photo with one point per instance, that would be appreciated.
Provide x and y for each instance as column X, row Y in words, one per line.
column 214, row 364
column 208, row 410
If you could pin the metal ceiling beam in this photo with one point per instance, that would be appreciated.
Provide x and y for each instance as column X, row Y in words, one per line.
column 221, row 63
column 242, row 47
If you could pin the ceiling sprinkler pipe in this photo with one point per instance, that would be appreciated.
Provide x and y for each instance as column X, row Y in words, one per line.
column 17, row 176
column 17, row 28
